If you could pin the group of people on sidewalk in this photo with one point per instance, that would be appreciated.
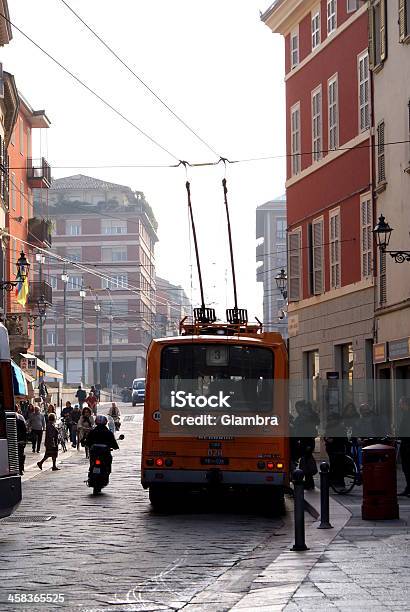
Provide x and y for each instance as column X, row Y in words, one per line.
column 33, row 423
column 353, row 429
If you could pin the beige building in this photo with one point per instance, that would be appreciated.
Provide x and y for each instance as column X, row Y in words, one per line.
column 390, row 63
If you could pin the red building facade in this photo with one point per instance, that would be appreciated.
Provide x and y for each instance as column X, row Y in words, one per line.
column 328, row 189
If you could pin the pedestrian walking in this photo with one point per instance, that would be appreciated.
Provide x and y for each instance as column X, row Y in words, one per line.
column 75, row 417
column 37, row 424
column 85, row 425
column 304, row 432
column 92, row 403
column 21, row 440
column 404, row 435
column 50, row 443
column 81, row 395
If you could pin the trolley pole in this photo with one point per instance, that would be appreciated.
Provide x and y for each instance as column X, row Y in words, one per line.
column 324, row 497
column 299, row 501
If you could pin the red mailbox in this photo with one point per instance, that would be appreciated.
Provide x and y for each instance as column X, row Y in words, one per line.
column 379, row 483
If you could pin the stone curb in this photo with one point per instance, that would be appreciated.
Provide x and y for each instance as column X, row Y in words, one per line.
column 272, row 590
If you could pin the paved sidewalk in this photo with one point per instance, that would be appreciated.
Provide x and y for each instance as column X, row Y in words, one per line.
column 363, row 565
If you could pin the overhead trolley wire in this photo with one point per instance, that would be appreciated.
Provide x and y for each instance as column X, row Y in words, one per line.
column 139, row 79
column 90, row 89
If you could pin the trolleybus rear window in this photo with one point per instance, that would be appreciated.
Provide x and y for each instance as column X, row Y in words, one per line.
column 245, row 373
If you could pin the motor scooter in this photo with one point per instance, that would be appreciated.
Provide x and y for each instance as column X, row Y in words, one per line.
column 100, row 466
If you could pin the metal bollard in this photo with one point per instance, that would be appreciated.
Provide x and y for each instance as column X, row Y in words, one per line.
column 324, row 497
column 299, row 500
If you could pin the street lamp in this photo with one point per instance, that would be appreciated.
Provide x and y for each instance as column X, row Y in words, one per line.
column 23, row 269
column 65, row 278
column 82, row 296
column 110, row 355
column 382, row 233
column 42, row 307
column 282, row 283
column 97, row 309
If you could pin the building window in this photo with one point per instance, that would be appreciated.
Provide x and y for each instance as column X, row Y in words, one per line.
column 295, row 138
column 294, row 265
column 53, row 282
column 113, row 254
column 334, row 248
column 317, row 124
column 333, row 113
column 315, row 28
column 364, row 92
column 317, row 256
column 75, row 283
column 74, row 337
column 13, row 191
column 119, row 336
column 28, row 142
column 377, row 32
column 294, row 48
column 347, row 367
column 73, row 254
column 73, row 228
column 366, row 234
column 382, row 278
column 404, row 19
column 281, row 226
column 50, row 337
column 381, row 159
column 352, row 5
column 21, row 136
column 22, row 200
column 116, row 281
column 114, row 226
column 331, row 16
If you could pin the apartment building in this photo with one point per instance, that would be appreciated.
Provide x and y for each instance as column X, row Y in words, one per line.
column 172, row 305
column 271, row 255
column 390, row 65
column 26, row 231
column 328, row 191
column 107, row 233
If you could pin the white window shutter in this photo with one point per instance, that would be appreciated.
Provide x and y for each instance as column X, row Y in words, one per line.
column 383, row 32
column 402, row 19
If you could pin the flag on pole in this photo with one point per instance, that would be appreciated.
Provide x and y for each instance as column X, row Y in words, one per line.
column 21, row 290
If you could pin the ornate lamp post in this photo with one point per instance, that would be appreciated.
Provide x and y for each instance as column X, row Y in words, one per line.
column 382, row 233
column 23, row 269
column 282, row 283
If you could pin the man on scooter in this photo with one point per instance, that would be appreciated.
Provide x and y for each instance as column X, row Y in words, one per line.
column 100, row 434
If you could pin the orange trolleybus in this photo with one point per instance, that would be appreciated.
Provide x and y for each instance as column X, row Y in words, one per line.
column 253, row 459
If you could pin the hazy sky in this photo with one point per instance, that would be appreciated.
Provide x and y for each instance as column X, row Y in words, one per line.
column 216, row 64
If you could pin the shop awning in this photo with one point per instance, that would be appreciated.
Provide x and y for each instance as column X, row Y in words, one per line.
column 29, row 379
column 19, row 381
column 43, row 366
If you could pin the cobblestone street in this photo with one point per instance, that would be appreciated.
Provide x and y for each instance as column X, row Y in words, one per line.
column 112, row 553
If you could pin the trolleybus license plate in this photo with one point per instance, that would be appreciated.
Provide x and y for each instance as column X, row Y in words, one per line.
column 214, row 461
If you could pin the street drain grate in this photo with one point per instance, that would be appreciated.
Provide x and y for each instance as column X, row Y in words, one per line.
column 130, row 417
column 29, row 518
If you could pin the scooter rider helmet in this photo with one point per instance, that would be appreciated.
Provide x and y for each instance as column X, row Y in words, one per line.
column 101, row 420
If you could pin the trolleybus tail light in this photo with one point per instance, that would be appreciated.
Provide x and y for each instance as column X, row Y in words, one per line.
column 261, row 465
column 149, row 462
column 279, row 466
column 97, row 462
column 168, row 462
column 270, row 465
column 159, row 462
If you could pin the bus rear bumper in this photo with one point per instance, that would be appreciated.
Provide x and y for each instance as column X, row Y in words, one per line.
column 212, row 477
column 10, row 494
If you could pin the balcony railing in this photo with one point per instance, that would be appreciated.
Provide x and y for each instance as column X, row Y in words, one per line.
column 39, row 231
column 38, row 289
column 39, row 173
